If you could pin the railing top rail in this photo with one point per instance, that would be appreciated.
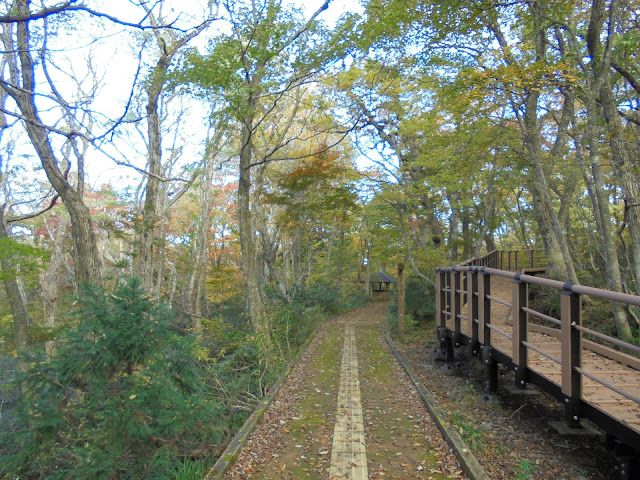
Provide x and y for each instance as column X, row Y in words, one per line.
column 472, row 259
column 547, row 282
column 486, row 255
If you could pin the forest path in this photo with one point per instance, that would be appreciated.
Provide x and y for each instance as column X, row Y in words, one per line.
column 310, row 431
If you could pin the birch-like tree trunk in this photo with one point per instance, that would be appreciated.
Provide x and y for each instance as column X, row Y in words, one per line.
column 51, row 279
column 250, row 271
column 624, row 170
column 596, row 75
column 151, row 238
column 560, row 262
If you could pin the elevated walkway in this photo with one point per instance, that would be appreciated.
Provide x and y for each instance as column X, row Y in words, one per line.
column 487, row 308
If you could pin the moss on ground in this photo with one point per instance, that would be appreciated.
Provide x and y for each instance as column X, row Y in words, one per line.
column 397, row 443
column 306, row 448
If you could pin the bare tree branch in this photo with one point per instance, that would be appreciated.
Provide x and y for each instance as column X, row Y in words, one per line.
column 27, row 216
column 627, row 76
column 75, row 6
column 630, row 116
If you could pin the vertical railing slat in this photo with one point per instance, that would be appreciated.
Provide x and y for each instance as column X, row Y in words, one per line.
column 456, row 307
column 472, row 307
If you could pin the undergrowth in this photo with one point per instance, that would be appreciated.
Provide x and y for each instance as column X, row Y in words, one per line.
column 419, row 306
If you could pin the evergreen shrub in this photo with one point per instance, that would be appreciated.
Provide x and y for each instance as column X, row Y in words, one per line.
column 122, row 396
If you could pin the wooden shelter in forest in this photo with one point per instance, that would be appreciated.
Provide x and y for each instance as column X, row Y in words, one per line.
column 380, row 284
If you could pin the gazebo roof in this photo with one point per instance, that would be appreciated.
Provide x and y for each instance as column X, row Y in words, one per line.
column 382, row 277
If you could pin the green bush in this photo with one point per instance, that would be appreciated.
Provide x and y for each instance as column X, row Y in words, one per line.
column 333, row 298
column 419, row 302
column 420, row 299
column 121, row 398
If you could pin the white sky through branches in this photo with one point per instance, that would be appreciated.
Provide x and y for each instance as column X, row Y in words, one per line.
column 112, row 52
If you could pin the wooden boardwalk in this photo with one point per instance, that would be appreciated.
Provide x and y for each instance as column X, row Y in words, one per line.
column 606, row 406
column 349, row 451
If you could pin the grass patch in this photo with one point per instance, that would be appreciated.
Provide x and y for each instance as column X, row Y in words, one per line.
column 470, row 433
column 191, row 469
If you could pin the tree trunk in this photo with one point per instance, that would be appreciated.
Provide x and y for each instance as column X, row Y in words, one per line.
column 607, row 239
column 250, row 273
column 453, row 228
column 17, row 302
column 367, row 280
column 86, row 258
column 51, row 282
column 401, row 302
column 150, row 214
column 149, row 270
column 561, row 263
column 486, row 231
column 596, row 78
column 624, row 170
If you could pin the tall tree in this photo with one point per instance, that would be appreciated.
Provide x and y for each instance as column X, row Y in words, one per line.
column 271, row 51
column 20, row 83
column 169, row 44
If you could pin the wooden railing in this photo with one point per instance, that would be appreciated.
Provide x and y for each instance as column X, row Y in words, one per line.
column 512, row 260
column 470, row 284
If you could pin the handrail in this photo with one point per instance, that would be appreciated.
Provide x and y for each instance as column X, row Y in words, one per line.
column 547, row 282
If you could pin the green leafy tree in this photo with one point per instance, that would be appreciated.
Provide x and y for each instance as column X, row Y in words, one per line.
column 270, row 53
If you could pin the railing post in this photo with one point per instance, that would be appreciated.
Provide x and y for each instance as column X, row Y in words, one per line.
column 438, row 301
column 509, row 260
column 457, row 305
column 484, row 307
column 517, row 265
column 533, row 258
column 463, row 284
column 571, row 353
column 472, row 308
column 520, row 327
column 484, row 332
column 441, row 306
column 448, row 344
column 501, row 260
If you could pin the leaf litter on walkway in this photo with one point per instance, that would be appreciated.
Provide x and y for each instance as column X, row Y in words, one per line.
column 294, row 438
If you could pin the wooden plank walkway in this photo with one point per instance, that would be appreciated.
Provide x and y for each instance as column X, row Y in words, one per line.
column 349, row 451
